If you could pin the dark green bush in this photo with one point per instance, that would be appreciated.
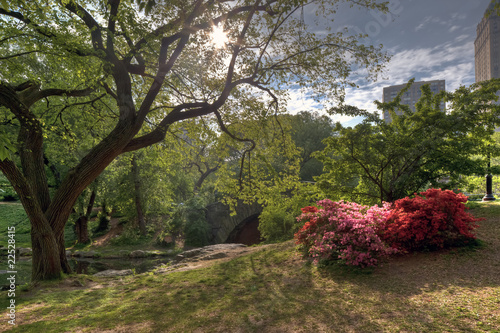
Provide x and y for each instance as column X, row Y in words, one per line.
column 8, row 194
column 196, row 228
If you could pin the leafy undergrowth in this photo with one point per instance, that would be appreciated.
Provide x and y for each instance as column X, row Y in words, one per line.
column 274, row 290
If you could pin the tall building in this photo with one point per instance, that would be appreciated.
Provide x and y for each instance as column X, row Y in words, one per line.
column 487, row 45
column 411, row 96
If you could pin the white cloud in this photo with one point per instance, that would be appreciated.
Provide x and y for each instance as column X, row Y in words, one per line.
column 440, row 46
column 452, row 61
column 426, row 20
column 458, row 16
column 420, row 27
column 461, row 38
column 299, row 100
column 450, row 22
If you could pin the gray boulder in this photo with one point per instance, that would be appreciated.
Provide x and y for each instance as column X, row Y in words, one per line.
column 24, row 252
column 113, row 273
column 138, row 254
column 86, row 254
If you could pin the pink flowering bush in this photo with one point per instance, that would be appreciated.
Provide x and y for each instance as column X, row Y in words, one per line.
column 344, row 230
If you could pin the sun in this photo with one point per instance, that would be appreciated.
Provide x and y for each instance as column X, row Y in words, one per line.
column 218, row 37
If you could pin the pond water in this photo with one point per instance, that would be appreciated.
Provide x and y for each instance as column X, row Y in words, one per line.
column 84, row 266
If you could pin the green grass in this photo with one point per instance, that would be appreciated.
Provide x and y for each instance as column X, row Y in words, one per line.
column 274, row 290
column 13, row 215
column 485, row 209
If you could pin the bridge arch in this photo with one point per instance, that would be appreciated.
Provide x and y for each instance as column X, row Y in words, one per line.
column 247, row 232
column 224, row 226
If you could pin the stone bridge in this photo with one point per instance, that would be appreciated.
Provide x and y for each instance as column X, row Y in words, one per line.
column 238, row 228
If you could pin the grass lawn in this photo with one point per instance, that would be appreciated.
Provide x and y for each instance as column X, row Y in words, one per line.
column 12, row 215
column 274, row 290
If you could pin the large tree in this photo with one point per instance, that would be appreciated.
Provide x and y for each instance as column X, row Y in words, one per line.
column 70, row 62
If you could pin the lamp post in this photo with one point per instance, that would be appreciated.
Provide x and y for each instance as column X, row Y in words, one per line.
column 489, row 183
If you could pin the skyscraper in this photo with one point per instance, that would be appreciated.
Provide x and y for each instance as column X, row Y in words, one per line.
column 411, row 96
column 487, row 45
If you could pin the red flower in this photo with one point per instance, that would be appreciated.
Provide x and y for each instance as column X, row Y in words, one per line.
column 434, row 218
column 309, row 209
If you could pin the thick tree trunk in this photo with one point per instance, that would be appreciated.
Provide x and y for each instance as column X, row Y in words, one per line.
column 49, row 255
column 137, row 196
column 66, row 268
column 103, row 220
column 81, row 224
column 45, row 259
column 46, row 263
column 47, row 215
column 82, row 232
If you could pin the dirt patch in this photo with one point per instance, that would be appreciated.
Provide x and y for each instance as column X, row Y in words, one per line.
column 115, row 229
column 133, row 327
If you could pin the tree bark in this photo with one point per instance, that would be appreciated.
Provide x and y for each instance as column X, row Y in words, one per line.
column 46, row 264
column 137, row 196
column 48, row 217
column 66, row 268
column 82, row 232
column 103, row 220
column 45, row 260
column 81, row 223
column 203, row 176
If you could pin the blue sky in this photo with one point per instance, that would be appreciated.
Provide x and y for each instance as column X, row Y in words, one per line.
column 428, row 40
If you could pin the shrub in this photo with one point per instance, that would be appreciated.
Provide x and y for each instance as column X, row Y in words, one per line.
column 196, row 227
column 345, row 231
column 103, row 225
column 278, row 220
column 277, row 224
column 433, row 219
column 129, row 236
column 196, row 230
column 9, row 194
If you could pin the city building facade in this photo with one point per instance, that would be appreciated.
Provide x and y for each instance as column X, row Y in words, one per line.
column 412, row 95
column 487, row 45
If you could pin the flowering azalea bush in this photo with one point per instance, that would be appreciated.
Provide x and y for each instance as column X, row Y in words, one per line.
column 361, row 235
column 345, row 231
column 433, row 219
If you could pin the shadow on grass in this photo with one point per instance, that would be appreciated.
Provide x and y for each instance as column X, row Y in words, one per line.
column 275, row 291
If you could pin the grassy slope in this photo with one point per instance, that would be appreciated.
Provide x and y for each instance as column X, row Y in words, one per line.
column 13, row 215
column 275, row 291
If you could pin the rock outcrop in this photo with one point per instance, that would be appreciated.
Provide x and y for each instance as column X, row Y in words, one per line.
column 113, row 273
column 210, row 252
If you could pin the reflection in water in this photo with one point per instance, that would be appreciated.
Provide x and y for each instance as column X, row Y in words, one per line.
column 82, row 267
column 85, row 266
column 92, row 266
